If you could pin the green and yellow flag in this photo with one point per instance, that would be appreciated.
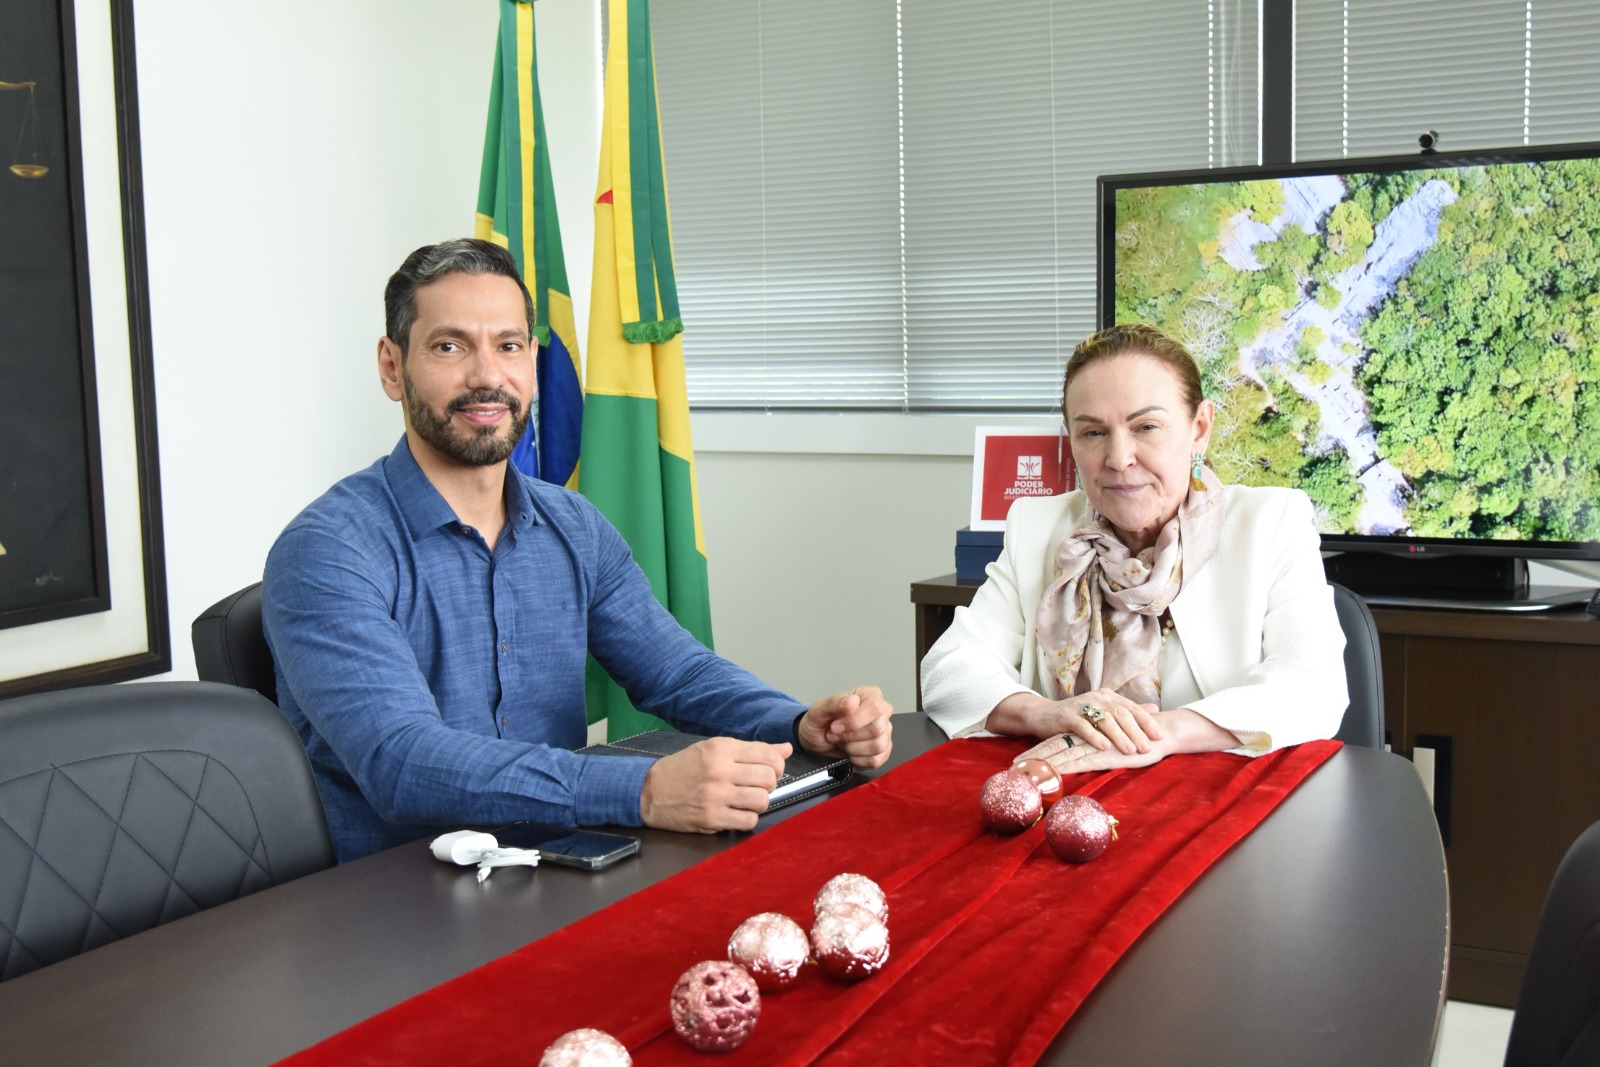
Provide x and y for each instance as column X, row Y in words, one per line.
column 517, row 210
column 638, row 463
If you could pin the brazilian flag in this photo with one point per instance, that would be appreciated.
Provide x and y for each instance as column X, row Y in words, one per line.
column 638, row 462
column 516, row 209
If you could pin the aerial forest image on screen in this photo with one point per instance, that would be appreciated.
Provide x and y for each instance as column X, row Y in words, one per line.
column 1417, row 350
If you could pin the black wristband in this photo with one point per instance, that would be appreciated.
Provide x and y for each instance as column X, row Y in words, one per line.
column 795, row 729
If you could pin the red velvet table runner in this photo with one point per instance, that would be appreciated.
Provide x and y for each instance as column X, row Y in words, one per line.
column 994, row 942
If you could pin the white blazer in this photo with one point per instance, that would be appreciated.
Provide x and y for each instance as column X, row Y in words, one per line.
column 1257, row 623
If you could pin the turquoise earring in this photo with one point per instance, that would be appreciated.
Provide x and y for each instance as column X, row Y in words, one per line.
column 1196, row 471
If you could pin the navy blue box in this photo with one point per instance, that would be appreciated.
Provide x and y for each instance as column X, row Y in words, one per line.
column 975, row 550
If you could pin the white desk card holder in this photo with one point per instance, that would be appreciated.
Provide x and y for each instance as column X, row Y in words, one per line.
column 1011, row 462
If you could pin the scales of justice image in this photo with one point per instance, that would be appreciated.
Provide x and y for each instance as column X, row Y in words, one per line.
column 27, row 156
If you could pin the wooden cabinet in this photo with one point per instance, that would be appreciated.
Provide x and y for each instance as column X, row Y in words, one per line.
column 1509, row 706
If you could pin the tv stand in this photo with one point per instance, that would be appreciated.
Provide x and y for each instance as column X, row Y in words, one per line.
column 1452, row 583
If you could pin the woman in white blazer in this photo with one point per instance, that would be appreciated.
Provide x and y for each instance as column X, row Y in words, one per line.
column 1153, row 610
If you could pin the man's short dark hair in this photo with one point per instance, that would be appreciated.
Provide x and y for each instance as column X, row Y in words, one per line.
column 467, row 255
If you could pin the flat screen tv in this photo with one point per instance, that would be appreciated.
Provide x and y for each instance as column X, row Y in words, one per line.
column 1414, row 341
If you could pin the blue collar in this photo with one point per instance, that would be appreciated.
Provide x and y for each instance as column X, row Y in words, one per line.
column 425, row 510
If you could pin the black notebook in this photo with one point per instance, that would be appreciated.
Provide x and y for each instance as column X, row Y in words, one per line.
column 804, row 773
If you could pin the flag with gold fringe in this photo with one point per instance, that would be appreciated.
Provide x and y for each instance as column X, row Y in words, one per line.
column 516, row 209
column 638, row 462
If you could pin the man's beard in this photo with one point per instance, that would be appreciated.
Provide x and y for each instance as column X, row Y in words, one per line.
column 473, row 446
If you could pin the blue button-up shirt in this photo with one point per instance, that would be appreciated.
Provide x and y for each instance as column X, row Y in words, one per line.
column 438, row 684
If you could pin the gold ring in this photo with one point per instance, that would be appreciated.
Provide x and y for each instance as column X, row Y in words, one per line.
column 1093, row 712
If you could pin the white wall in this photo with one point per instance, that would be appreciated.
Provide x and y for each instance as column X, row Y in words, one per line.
column 816, row 526
column 812, row 558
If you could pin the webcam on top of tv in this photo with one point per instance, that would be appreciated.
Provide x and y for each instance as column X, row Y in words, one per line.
column 1428, row 142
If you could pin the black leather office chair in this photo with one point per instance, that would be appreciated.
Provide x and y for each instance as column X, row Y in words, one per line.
column 123, row 807
column 1363, row 669
column 1557, row 1022
column 230, row 645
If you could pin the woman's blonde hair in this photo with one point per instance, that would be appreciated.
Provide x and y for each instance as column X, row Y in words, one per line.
column 1138, row 339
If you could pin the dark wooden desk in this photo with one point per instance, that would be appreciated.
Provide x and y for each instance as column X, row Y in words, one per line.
column 1510, row 800
column 1510, row 705
column 1320, row 939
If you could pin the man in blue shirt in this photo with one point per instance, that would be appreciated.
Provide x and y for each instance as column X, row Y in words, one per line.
column 430, row 615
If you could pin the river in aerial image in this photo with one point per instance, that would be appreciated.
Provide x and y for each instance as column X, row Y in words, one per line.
column 1398, row 242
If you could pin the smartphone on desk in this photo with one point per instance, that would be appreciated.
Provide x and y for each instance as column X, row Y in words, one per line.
column 588, row 850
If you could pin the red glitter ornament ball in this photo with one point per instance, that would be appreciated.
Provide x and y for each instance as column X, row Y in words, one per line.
column 855, row 889
column 849, row 942
column 772, row 948
column 586, row 1048
column 1079, row 829
column 715, row 1005
column 1045, row 778
column 1010, row 802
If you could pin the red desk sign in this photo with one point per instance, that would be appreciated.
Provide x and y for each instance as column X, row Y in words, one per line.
column 1011, row 462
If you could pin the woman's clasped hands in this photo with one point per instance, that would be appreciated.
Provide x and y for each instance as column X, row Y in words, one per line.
column 1095, row 731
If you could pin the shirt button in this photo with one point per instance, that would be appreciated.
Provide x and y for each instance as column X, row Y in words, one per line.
column 505, row 720
column 505, row 646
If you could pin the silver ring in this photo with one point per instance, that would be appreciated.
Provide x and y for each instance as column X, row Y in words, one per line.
column 1092, row 712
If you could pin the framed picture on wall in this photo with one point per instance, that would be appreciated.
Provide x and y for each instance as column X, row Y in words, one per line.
column 82, row 578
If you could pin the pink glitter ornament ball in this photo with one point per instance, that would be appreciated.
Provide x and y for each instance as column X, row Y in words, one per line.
column 1078, row 829
column 772, row 948
column 586, row 1048
column 855, row 889
column 849, row 942
column 1010, row 802
column 715, row 1006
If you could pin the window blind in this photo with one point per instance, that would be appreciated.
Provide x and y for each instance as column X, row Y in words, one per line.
column 1012, row 111
column 890, row 206
column 780, row 126
column 1372, row 75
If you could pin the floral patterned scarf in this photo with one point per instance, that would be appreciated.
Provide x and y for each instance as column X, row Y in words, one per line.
column 1099, row 622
